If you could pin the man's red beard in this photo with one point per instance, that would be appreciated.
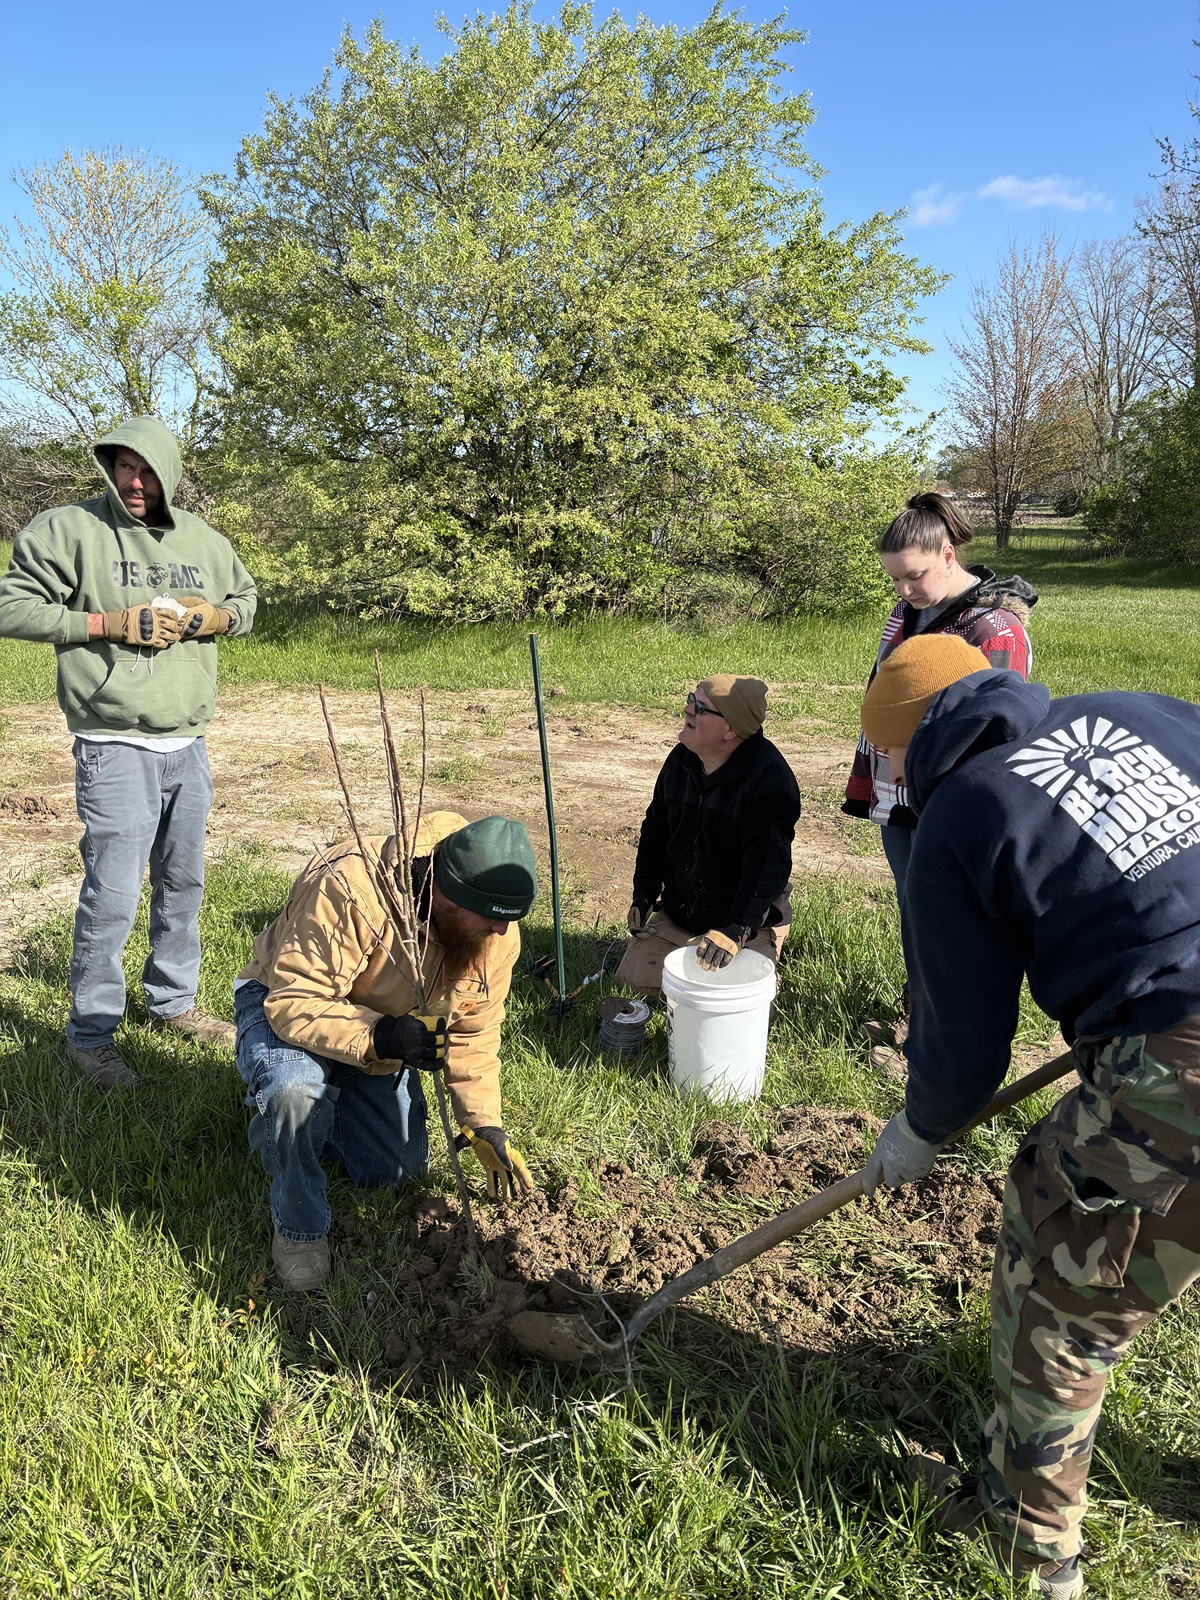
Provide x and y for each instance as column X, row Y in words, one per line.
column 463, row 950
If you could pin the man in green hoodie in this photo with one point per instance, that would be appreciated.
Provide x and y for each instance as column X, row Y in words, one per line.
column 133, row 593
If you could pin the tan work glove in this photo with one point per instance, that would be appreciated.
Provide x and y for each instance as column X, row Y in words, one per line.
column 719, row 946
column 152, row 627
column 202, row 620
column 507, row 1174
column 639, row 915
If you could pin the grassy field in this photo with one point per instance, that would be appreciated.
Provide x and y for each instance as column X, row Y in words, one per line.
column 173, row 1427
column 1113, row 623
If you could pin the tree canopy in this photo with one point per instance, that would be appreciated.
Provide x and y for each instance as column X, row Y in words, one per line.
column 104, row 316
column 531, row 326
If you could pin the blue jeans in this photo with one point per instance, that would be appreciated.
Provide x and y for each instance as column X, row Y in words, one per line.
column 137, row 808
column 306, row 1107
column 897, row 847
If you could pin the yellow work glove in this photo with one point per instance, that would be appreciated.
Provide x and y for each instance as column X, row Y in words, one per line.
column 639, row 915
column 202, row 620
column 152, row 627
column 719, row 946
column 507, row 1174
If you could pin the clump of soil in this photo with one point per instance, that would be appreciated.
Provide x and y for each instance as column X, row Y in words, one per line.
column 621, row 1237
column 28, row 807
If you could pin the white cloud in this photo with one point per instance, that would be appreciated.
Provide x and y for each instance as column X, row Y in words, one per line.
column 1025, row 194
column 930, row 207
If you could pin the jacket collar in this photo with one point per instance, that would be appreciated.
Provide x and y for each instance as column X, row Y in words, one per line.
column 988, row 590
column 738, row 765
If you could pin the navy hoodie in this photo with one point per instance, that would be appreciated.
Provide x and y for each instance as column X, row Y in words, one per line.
column 1059, row 839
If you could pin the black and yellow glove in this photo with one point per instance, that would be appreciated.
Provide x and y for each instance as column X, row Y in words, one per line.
column 152, row 627
column 202, row 620
column 638, row 916
column 414, row 1041
column 719, row 946
column 507, row 1174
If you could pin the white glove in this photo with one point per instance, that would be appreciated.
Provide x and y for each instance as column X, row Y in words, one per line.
column 899, row 1157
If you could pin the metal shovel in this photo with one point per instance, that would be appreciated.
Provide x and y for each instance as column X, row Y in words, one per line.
column 569, row 1338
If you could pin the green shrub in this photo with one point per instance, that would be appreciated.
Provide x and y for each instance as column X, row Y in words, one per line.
column 1154, row 510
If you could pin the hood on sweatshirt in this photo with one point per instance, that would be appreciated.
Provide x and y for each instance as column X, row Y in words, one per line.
column 975, row 714
column 988, row 591
column 154, row 441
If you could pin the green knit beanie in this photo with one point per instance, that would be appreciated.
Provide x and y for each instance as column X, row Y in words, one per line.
column 488, row 867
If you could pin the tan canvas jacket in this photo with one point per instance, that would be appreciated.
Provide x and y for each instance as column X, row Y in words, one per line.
column 333, row 965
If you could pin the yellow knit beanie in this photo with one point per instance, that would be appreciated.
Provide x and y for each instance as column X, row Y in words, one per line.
column 907, row 681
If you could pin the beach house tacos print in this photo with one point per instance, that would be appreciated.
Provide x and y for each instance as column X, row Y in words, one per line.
column 1122, row 792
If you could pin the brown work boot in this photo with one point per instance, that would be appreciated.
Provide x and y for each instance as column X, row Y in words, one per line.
column 197, row 1024
column 300, row 1263
column 891, row 1034
column 957, row 1497
column 891, row 1065
column 105, row 1066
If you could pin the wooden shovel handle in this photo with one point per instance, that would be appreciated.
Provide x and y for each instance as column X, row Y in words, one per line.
column 818, row 1206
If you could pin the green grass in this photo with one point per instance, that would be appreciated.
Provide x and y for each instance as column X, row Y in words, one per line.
column 171, row 1429
column 1111, row 623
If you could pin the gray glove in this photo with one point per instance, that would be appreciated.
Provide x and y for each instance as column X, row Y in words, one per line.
column 899, row 1157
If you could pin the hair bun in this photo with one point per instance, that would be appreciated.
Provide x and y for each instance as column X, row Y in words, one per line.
column 927, row 522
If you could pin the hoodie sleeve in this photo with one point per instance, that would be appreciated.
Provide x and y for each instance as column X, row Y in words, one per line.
column 768, row 828
column 242, row 599
column 37, row 591
column 964, row 975
column 650, row 868
column 860, row 787
column 473, row 1049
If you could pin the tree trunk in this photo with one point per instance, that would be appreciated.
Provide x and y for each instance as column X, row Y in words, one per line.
column 1003, row 529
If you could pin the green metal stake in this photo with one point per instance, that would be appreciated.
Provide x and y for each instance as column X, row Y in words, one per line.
column 541, row 716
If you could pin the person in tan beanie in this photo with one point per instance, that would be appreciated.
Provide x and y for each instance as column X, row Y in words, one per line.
column 900, row 692
column 715, row 855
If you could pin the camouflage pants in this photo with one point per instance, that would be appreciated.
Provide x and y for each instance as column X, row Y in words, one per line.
column 1101, row 1231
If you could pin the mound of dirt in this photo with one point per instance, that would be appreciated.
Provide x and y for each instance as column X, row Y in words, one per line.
column 28, row 807
column 622, row 1238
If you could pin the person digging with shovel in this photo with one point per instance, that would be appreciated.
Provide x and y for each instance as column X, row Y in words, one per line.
column 1057, row 840
column 332, row 1036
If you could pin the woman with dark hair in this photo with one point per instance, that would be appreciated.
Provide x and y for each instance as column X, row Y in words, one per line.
column 937, row 594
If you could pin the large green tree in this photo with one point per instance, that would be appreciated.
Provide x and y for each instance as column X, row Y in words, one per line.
column 103, row 316
column 535, row 325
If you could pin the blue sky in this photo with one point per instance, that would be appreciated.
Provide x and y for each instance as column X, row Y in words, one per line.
column 984, row 119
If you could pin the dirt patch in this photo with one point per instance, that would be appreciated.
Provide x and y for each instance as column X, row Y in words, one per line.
column 275, row 785
column 28, row 807
column 849, row 1284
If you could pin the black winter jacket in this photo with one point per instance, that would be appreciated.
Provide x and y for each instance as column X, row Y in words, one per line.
column 716, row 849
column 1059, row 839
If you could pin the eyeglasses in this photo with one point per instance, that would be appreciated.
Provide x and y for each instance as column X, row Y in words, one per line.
column 699, row 710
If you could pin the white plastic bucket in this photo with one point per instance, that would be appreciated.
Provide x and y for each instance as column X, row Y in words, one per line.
column 717, row 1023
